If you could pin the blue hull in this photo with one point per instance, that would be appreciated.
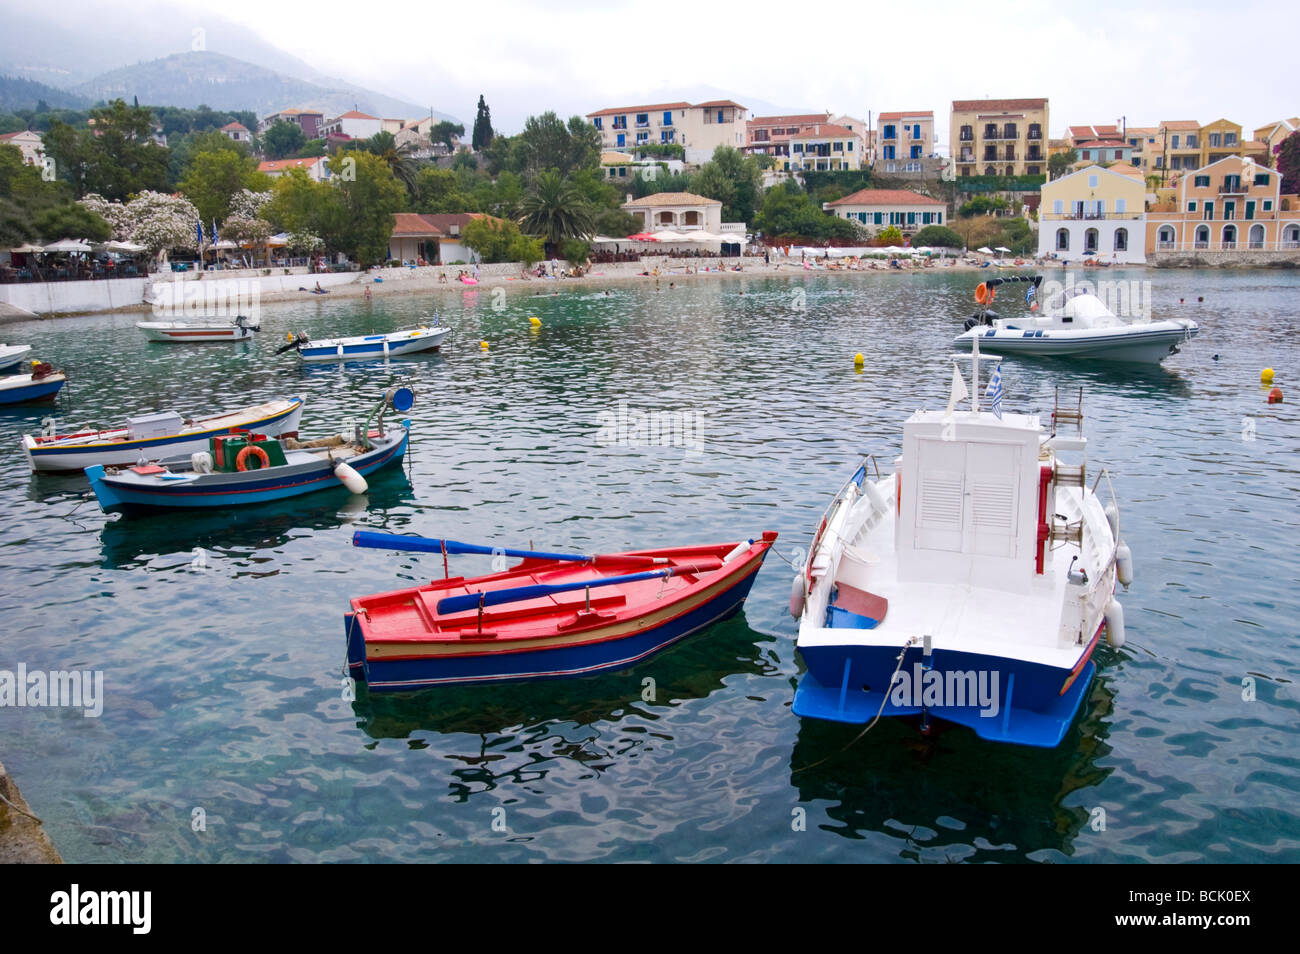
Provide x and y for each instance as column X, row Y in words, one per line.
column 1024, row 705
column 604, row 656
column 40, row 391
column 115, row 497
column 366, row 350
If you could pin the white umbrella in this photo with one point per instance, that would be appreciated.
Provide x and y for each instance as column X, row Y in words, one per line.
column 130, row 248
column 1002, row 248
column 702, row 236
column 27, row 248
column 68, row 245
column 668, row 235
column 985, row 249
column 733, row 238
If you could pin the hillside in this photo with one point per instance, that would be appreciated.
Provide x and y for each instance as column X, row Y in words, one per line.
column 18, row 93
column 223, row 82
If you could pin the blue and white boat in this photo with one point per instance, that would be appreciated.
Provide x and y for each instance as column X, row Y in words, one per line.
column 42, row 384
column 152, row 436
column 11, row 355
column 1072, row 323
column 366, row 347
column 971, row 585
column 247, row 469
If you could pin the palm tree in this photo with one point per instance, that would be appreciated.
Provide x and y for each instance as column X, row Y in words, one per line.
column 555, row 210
column 401, row 160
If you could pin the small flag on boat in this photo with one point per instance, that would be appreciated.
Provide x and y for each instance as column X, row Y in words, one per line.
column 994, row 392
column 959, row 392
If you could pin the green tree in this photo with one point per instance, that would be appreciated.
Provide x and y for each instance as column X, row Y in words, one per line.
column 482, row 126
column 436, row 190
column 576, row 251
column 214, row 178
column 1059, row 164
column 301, row 205
column 937, row 236
column 115, row 156
column 399, row 159
column 555, row 210
column 446, row 132
column 283, row 139
column 548, row 143
column 892, row 235
column 1288, row 163
column 311, row 149
column 789, row 213
column 495, row 240
column 71, row 221
column 369, row 194
column 24, row 197
column 734, row 180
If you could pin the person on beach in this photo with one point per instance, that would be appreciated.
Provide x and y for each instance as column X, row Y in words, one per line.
column 367, row 294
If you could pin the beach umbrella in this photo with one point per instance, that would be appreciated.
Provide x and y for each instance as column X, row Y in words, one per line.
column 641, row 237
column 68, row 245
column 128, row 248
column 27, row 248
column 985, row 250
column 1002, row 248
column 668, row 235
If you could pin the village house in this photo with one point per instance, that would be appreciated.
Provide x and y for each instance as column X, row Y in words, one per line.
column 27, row 142
column 1094, row 213
column 308, row 120
column 237, row 131
column 677, row 211
column 878, row 209
column 698, row 128
column 436, row 239
column 317, row 168
column 999, row 137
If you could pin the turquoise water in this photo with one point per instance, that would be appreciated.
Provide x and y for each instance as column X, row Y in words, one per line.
column 224, row 688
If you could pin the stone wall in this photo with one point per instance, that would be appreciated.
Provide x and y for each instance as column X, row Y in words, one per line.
column 1224, row 258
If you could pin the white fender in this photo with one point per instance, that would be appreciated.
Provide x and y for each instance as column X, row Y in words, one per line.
column 201, row 462
column 796, row 596
column 878, row 502
column 740, row 548
column 350, row 478
column 1124, row 564
column 1112, row 518
column 1114, row 623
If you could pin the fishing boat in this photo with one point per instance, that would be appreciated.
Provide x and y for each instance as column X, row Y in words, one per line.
column 1072, row 322
column 247, row 468
column 152, row 436
column 389, row 345
column 12, row 355
column 240, row 328
column 551, row 615
column 42, row 383
column 971, row 585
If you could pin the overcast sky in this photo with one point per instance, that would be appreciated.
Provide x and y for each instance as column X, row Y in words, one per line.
column 1095, row 62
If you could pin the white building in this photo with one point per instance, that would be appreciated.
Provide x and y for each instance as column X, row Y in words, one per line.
column 28, row 143
column 317, row 168
column 678, row 211
column 353, row 124
column 1095, row 213
column 878, row 209
column 237, row 131
column 698, row 128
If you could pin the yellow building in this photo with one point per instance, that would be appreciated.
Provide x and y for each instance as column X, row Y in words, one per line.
column 1274, row 133
column 1219, row 140
column 1178, row 146
column 999, row 137
column 1094, row 213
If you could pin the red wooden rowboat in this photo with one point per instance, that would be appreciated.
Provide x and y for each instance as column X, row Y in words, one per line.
column 549, row 616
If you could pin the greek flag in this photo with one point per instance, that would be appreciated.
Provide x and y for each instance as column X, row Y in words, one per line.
column 198, row 231
column 1029, row 294
column 214, row 232
column 994, row 392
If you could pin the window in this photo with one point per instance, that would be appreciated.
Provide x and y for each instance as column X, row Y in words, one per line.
column 1086, row 154
column 597, row 123
column 1092, row 181
column 1261, row 178
column 622, row 139
column 1166, row 237
column 1214, row 140
column 1229, row 236
column 1202, row 237
column 849, row 145
column 798, row 147
column 1229, row 139
column 967, row 133
column 1191, row 205
column 1121, row 240
column 1268, row 205
column 666, row 135
column 1120, row 206
column 1058, row 206
column 837, row 147
column 916, row 131
column 916, row 152
column 1032, row 171
column 643, row 119
column 1173, row 141
column 1035, row 131
column 888, row 132
column 642, row 138
column 990, row 130
column 1250, row 208
column 719, row 116
column 1062, row 240
column 668, row 117
column 1201, row 182
column 1191, row 140
column 911, row 218
column 880, row 218
column 622, row 171
column 1209, row 210
column 1090, row 240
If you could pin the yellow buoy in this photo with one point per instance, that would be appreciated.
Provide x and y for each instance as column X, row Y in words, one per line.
column 1266, row 376
column 535, row 321
column 859, row 360
column 483, row 345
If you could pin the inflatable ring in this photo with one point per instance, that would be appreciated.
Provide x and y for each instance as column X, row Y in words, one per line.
column 981, row 294
column 252, row 450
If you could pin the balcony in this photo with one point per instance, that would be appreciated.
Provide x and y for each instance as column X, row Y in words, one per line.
column 966, row 137
column 1234, row 188
column 1089, row 216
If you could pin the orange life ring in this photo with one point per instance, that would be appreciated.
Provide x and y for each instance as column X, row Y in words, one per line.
column 252, row 450
column 981, row 294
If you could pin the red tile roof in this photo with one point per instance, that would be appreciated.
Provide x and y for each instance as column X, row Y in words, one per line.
column 802, row 119
column 908, row 114
column 887, row 197
column 416, row 225
column 280, row 165
column 719, row 102
column 353, row 114
column 639, row 109
column 817, row 131
column 1180, row 124
column 233, row 126
column 996, row 105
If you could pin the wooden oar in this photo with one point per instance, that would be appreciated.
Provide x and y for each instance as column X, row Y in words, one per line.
column 394, row 541
column 470, row 601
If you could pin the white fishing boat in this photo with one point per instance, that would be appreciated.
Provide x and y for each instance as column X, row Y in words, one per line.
column 240, row 328
column 1072, row 322
column 971, row 585
column 12, row 355
column 150, row 437
column 365, row 347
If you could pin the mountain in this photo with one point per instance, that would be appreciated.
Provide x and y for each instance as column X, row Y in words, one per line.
column 223, row 82
column 19, row 93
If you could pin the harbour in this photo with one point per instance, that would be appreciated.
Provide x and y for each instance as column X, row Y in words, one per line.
column 231, row 731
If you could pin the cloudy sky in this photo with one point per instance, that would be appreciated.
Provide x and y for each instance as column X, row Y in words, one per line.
column 1096, row 62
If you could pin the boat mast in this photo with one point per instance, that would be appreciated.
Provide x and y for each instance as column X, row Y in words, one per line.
column 975, row 374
